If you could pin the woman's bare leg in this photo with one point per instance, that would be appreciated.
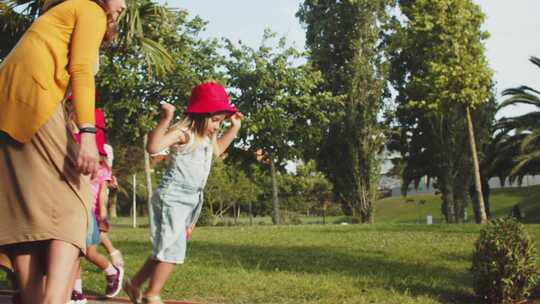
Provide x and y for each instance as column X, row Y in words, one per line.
column 61, row 266
column 28, row 261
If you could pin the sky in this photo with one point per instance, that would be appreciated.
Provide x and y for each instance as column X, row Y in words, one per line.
column 511, row 24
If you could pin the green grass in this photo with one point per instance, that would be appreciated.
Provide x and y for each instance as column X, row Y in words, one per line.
column 415, row 208
column 381, row 263
column 393, row 261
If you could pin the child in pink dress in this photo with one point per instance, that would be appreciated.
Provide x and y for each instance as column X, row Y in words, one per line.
column 113, row 274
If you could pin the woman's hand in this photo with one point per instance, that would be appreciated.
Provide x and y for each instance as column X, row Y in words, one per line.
column 88, row 157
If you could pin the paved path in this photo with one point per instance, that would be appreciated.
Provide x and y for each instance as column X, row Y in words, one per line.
column 5, row 298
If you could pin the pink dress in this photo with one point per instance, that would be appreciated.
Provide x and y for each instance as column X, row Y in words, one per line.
column 104, row 175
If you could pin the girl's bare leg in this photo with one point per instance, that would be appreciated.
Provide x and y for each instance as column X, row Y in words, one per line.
column 106, row 242
column 96, row 258
column 144, row 273
column 158, row 278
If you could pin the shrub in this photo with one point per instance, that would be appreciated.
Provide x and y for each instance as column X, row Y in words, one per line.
column 504, row 262
column 206, row 218
column 290, row 218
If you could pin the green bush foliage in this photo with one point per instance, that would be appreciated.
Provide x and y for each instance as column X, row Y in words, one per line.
column 504, row 262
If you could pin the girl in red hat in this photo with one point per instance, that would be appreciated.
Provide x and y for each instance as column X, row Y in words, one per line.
column 177, row 202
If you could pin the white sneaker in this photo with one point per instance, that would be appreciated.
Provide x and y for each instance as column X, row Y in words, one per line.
column 117, row 259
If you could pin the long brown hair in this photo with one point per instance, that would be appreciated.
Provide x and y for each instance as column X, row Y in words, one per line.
column 111, row 30
column 196, row 123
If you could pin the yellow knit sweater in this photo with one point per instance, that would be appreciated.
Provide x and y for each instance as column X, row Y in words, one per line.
column 60, row 47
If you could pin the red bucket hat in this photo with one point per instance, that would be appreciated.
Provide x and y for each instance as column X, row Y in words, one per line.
column 209, row 97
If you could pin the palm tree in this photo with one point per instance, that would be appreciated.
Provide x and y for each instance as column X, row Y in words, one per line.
column 142, row 19
column 521, row 135
column 135, row 25
column 15, row 17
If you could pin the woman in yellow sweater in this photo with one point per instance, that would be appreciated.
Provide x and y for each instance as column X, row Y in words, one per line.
column 44, row 187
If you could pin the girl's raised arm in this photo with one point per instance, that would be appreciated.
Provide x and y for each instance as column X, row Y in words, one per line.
column 224, row 141
column 161, row 137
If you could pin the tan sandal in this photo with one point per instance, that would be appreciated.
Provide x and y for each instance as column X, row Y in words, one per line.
column 133, row 293
column 152, row 300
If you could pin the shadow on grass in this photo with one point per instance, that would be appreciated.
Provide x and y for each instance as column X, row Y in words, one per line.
column 375, row 267
column 457, row 257
column 406, row 228
column 532, row 214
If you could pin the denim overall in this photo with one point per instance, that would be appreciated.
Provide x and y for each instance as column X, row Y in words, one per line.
column 177, row 202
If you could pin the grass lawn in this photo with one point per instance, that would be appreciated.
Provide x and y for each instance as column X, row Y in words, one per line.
column 382, row 263
column 415, row 208
column 393, row 261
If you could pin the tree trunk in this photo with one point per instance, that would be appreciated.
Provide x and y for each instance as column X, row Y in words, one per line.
column 234, row 213
column 486, row 190
column 324, row 213
column 365, row 206
column 147, row 175
column 448, row 206
column 346, row 208
column 460, row 197
column 134, row 203
column 250, row 213
column 275, row 198
column 447, row 193
column 477, row 178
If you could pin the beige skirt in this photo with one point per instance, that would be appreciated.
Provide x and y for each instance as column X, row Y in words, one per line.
column 42, row 195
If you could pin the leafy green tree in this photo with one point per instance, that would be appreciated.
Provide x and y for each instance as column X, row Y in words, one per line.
column 131, row 90
column 344, row 39
column 131, row 86
column 229, row 188
column 440, row 72
column 284, row 117
column 246, row 192
column 219, row 190
column 306, row 190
